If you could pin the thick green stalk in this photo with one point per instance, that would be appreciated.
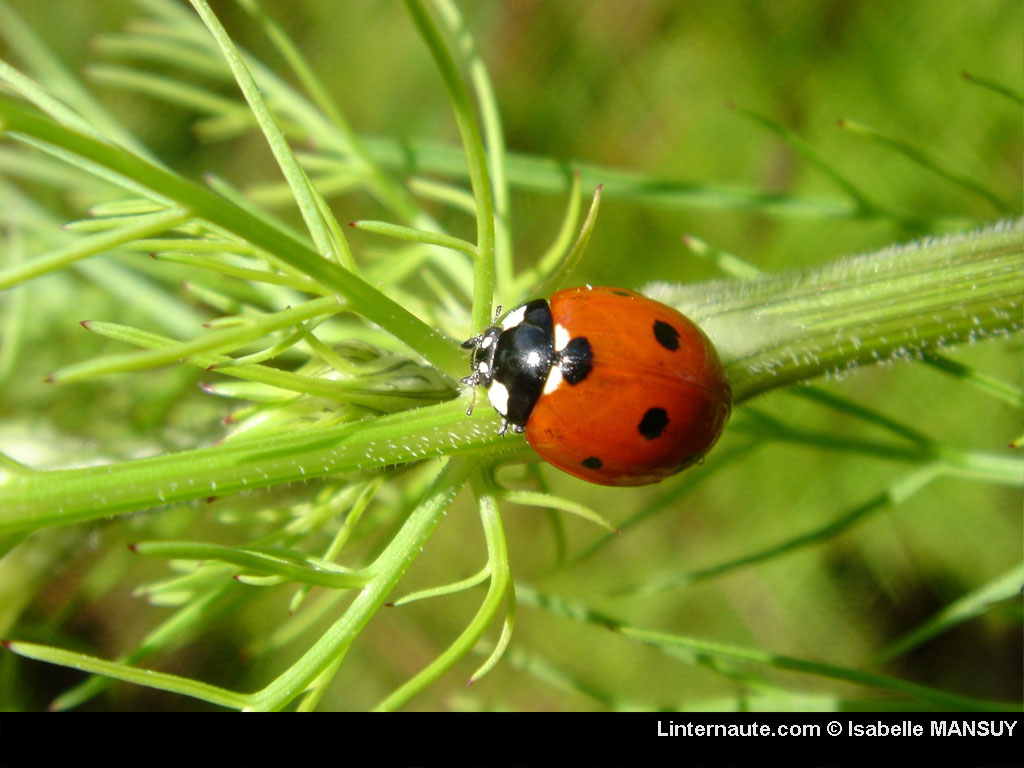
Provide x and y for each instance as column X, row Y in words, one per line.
column 30, row 500
column 894, row 304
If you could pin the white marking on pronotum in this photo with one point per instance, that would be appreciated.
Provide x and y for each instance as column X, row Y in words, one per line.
column 483, row 367
column 513, row 318
column 554, row 380
column 498, row 395
column 561, row 338
column 488, row 340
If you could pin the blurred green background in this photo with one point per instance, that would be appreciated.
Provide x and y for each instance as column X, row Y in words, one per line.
column 646, row 87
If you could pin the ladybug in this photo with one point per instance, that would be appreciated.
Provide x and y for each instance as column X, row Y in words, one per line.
column 609, row 385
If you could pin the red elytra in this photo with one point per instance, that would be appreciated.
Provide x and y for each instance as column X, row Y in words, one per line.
column 654, row 402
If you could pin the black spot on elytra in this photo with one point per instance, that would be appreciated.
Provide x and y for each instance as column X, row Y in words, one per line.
column 592, row 462
column 666, row 335
column 621, row 293
column 576, row 360
column 653, row 423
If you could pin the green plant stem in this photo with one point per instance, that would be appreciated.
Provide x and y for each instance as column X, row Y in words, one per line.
column 319, row 220
column 476, row 157
column 390, row 192
column 494, row 136
column 56, row 497
column 894, row 304
column 387, row 569
column 497, row 558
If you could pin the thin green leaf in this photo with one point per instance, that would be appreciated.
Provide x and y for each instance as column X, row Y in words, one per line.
column 149, row 678
column 497, row 558
column 216, row 341
column 812, row 157
column 173, row 632
column 221, row 266
column 548, row 501
column 1004, row 587
column 449, row 194
column 387, row 397
column 387, row 569
column 559, row 275
column 287, row 564
column 494, row 138
column 446, row 589
column 143, row 226
column 897, row 492
column 170, row 89
column 504, row 639
column 697, row 648
column 59, row 93
column 923, row 160
column 1008, row 393
column 995, row 87
column 310, row 201
column 540, row 273
column 416, row 235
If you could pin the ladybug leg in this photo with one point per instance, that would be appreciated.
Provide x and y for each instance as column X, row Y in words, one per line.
column 471, row 381
column 474, row 378
column 504, row 428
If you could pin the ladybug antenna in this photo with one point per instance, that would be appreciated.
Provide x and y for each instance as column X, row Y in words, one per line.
column 472, row 402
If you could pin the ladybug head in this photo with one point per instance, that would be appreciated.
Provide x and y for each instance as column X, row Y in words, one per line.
column 484, row 346
column 512, row 362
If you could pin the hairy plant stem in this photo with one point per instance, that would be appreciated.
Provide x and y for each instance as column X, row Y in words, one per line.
column 897, row 303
